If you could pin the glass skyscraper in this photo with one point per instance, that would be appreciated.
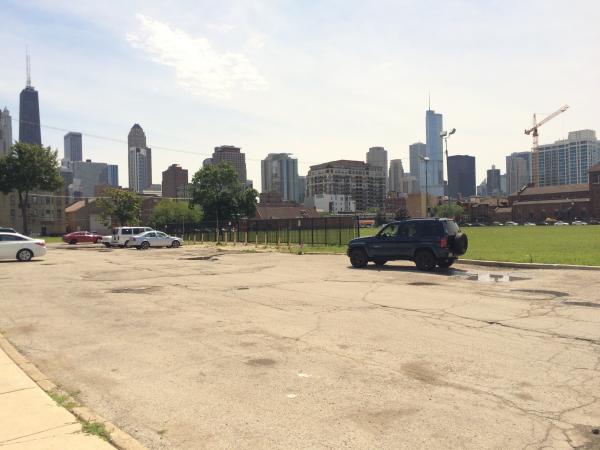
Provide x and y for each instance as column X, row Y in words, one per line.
column 29, row 116
column 433, row 128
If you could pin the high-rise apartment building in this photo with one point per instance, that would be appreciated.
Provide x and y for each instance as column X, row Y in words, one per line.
column 461, row 176
column 73, row 146
column 279, row 174
column 172, row 179
column 417, row 151
column 86, row 176
column 378, row 156
column 396, row 175
column 493, row 187
column 29, row 113
column 231, row 155
column 113, row 175
column 435, row 169
column 140, row 158
column 363, row 183
column 568, row 161
column 301, row 189
column 5, row 132
column 518, row 171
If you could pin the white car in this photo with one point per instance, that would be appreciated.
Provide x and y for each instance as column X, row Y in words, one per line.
column 19, row 247
column 154, row 239
column 560, row 223
column 122, row 235
column 579, row 222
column 530, row 224
column 511, row 224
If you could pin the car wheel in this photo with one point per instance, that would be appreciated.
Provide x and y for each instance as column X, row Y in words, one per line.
column 72, row 242
column 145, row 245
column 425, row 260
column 24, row 255
column 358, row 258
column 445, row 263
column 106, row 244
column 380, row 262
column 126, row 244
column 175, row 244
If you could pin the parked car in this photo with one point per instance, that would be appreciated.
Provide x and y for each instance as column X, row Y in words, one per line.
column 121, row 236
column 529, row 224
column 427, row 242
column 20, row 247
column 154, row 239
column 77, row 237
column 578, row 222
column 560, row 223
column 594, row 222
column 7, row 230
column 510, row 223
column 498, row 224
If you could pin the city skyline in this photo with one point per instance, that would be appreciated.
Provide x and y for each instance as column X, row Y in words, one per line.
column 302, row 95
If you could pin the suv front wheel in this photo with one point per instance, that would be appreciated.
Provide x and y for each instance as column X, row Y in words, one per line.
column 425, row 260
column 358, row 258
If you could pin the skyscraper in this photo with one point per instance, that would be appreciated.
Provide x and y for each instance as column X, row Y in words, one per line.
column 396, row 175
column 231, row 155
column 73, row 147
column 461, row 176
column 173, row 178
column 138, row 169
column 279, row 173
column 518, row 171
column 493, row 187
column 378, row 157
column 567, row 161
column 29, row 113
column 433, row 128
column 113, row 175
column 136, row 139
column 417, row 165
column 5, row 132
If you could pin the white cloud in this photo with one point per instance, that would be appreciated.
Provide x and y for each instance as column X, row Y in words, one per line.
column 199, row 67
column 222, row 28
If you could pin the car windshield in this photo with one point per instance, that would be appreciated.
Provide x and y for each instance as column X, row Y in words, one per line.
column 389, row 230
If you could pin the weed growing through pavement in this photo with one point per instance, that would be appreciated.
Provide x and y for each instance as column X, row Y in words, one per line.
column 95, row 428
column 61, row 399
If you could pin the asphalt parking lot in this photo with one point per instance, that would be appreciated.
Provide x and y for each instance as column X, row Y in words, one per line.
column 201, row 348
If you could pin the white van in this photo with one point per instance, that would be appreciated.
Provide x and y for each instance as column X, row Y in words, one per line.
column 121, row 235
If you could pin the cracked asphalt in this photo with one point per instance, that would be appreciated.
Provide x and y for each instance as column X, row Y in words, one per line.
column 202, row 348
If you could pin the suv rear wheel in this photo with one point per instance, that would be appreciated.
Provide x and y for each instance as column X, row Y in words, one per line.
column 425, row 260
column 358, row 258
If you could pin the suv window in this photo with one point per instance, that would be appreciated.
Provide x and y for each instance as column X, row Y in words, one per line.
column 429, row 228
column 126, row 231
column 389, row 230
column 451, row 227
column 408, row 230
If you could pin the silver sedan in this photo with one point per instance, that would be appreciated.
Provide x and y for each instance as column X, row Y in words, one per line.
column 154, row 239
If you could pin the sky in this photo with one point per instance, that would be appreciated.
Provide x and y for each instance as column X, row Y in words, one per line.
column 322, row 80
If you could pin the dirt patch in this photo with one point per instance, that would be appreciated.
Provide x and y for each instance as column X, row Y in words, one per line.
column 420, row 371
column 261, row 362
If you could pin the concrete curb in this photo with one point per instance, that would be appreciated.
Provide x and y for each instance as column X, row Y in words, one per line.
column 516, row 265
column 118, row 438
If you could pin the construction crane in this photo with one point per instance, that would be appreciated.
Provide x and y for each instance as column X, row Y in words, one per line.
column 535, row 156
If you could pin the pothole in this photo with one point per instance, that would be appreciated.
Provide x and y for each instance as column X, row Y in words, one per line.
column 136, row 290
column 242, row 288
column 422, row 283
column 200, row 258
column 542, row 292
column 587, row 304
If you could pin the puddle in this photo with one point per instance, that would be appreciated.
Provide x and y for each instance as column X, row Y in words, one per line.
column 494, row 277
column 135, row 290
column 542, row 292
column 422, row 283
column 588, row 304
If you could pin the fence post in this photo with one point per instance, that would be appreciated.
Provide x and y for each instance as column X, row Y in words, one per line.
column 194, row 239
column 312, row 232
column 326, row 239
column 340, row 229
column 256, row 238
column 288, row 234
column 266, row 238
column 246, row 237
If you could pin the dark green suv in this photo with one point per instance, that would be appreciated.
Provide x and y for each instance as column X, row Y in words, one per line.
column 427, row 242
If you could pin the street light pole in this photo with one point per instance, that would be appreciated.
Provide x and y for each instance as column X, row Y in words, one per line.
column 445, row 135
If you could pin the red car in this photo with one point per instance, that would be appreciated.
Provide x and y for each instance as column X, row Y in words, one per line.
column 77, row 237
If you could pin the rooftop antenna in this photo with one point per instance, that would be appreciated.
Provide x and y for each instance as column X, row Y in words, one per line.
column 28, row 64
column 429, row 93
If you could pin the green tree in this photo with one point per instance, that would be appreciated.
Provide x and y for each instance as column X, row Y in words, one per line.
column 27, row 168
column 221, row 195
column 123, row 205
column 169, row 212
column 451, row 211
column 401, row 214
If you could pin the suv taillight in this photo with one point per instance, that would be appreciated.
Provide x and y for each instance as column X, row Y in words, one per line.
column 444, row 242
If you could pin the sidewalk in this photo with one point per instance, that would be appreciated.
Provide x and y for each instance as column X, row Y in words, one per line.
column 30, row 419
